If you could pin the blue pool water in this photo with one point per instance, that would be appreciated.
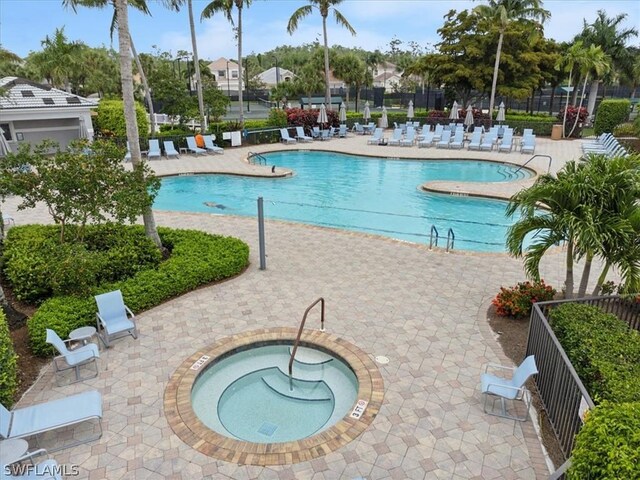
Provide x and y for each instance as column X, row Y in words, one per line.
column 370, row 195
column 248, row 395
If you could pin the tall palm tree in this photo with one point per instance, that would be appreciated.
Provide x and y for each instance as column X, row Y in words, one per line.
column 607, row 33
column 323, row 7
column 501, row 13
column 140, row 5
column 126, row 79
column 226, row 7
column 59, row 58
column 575, row 55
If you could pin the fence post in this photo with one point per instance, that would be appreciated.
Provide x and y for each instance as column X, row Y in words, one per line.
column 263, row 257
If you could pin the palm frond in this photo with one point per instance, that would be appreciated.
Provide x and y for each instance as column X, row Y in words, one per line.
column 298, row 15
column 341, row 20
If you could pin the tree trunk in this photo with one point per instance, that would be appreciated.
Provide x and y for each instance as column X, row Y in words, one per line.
column 568, row 282
column 145, row 84
column 586, row 272
column 566, row 107
column 584, row 87
column 601, row 279
column 240, row 83
column 126, row 78
column 196, row 62
column 494, row 83
column 327, row 92
column 574, row 94
column 593, row 95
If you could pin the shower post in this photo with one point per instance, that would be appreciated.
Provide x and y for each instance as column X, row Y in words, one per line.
column 263, row 257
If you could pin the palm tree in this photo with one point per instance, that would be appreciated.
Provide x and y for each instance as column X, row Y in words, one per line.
column 126, row 79
column 59, row 58
column 323, row 6
column 606, row 33
column 576, row 54
column 501, row 13
column 226, row 7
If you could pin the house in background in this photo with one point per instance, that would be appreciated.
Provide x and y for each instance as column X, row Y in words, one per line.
column 386, row 75
column 225, row 72
column 31, row 112
column 272, row 76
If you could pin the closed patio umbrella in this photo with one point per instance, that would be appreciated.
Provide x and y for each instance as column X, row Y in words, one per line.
column 366, row 114
column 500, row 116
column 455, row 111
column 322, row 115
column 343, row 113
column 84, row 132
column 468, row 119
column 384, row 120
column 4, row 145
column 410, row 109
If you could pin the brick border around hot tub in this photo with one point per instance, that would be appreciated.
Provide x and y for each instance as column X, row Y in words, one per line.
column 188, row 427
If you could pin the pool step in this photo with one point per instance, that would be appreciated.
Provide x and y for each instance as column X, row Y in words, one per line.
column 312, row 391
column 309, row 356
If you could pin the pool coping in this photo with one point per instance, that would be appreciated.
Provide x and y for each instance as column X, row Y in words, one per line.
column 186, row 425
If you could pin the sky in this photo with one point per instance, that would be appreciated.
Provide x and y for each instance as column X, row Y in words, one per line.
column 25, row 23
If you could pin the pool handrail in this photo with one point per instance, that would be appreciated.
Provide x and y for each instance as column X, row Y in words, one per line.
column 536, row 155
column 451, row 238
column 295, row 344
column 433, row 229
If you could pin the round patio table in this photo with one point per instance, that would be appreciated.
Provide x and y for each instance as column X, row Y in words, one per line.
column 12, row 450
column 82, row 334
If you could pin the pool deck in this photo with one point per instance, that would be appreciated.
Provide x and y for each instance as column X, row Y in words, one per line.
column 425, row 310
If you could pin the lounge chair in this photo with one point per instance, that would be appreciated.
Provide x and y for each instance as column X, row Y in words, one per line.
column 425, row 129
column 359, row 129
column 528, row 144
column 114, row 318
column 409, row 138
column 376, row 138
column 47, row 470
column 301, row 136
column 192, row 147
column 52, row 415
column 458, row 139
column 445, row 140
column 315, row 133
column 326, row 134
column 154, row 149
column 476, row 138
column 285, row 138
column 210, row 146
column 427, row 141
column 396, row 137
column 507, row 142
column 73, row 359
column 437, row 134
column 488, row 141
column 342, row 131
column 170, row 149
column 509, row 388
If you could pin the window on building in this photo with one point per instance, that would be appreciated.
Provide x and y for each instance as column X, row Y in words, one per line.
column 222, row 74
column 234, row 73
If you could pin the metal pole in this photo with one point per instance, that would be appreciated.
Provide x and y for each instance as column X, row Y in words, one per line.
column 263, row 257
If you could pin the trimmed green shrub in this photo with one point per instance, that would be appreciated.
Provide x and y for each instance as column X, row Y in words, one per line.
column 636, row 126
column 610, row 114
column 624, row 130
column 197, row 258
column 277, row 118
column 38, row 266
column 602, row 349
column 110, row 119
column 608, row 445
column 8, row 365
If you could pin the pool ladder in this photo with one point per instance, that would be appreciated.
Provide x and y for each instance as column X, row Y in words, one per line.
column 295, row 345
column 433, row 238
column 252, row 156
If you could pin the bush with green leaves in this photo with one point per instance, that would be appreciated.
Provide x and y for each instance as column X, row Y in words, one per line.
column 197, row 258
column 109, row 121
column 518, row 301
column 610, row 114
column 8, row 365
column 602, row 349
column 37, row 265
column 624, row 130
column 608, row 445
column 277, row 118
column 636, row 126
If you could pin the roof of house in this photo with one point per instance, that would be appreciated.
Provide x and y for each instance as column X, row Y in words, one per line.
column 269, row 75
column 22, row 93
column 221, row 64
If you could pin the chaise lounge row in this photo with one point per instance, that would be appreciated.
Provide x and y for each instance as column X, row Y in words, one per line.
column 170, row 149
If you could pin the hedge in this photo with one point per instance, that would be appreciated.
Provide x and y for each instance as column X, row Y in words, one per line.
column 8, row 364
column 608, row 445
column 197, row 258
column 602, row 349
column 610, row 114
column 109, row 120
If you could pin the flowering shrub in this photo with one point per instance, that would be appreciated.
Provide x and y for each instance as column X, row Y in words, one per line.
column 309, row 118
column 572, row 112
column 437, row 114
column 517, row 301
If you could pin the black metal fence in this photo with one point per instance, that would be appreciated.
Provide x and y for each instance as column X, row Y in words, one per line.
column 561, row 391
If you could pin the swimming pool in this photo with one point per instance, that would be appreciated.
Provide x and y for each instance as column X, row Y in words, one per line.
column 372, row 195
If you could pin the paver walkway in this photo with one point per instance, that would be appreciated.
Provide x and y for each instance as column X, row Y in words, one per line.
column 424, row 310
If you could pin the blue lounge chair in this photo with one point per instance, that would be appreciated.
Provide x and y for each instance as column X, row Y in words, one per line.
column 509, row 388
column 73, row 359
column 528, row 144
column 359, row 129
column 409, row 138
column 396, row 138
column 507, row 142
column 458, row 139
column 210, row 146
column 315, row 133
column 437, row 134
column 285, row 138
column 48, row 416
column 154, row 149
column 476, row 138
column 326, row 134
column 192, row 147
column 427, row 140
column 445, row 140
column 114, row 319
column 300, row 135
column 170, row 149
column 376, row 138
column 342, row 131
column 423, row 133
column 489, row 140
